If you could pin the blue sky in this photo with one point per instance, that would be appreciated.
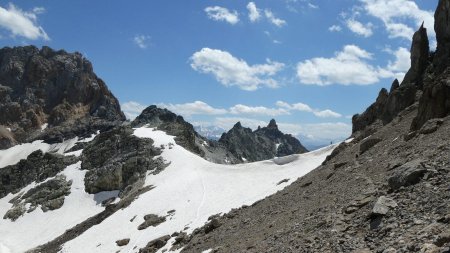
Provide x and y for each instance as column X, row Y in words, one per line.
column 310, row 64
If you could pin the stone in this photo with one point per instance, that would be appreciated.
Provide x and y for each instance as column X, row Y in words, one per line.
column 383, row 205
column 213, row 224
column 407, row 174
column 431, row 126
column 443, row 238
column 151, row 220
column 420, row 50
column 367, row 144
column 122, row 242
column 154, row 245
column 429, row 248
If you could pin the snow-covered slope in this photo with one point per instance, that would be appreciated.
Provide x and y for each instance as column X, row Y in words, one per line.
column 190, row 185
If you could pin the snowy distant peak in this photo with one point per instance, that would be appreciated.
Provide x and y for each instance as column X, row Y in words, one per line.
column 210, row 132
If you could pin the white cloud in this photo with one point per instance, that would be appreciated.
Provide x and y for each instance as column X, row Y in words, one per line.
column 394, row 13
column 306, row 108
column 231, row 71
column 132, row 109
column 313, row 6
column 335, row 28
column 274, row 20
column 222, row 14
column 22, row 23
column 257, row 110
column 359, row 28
column 349, row 66
column 141, row 41
column 401, row 64
column 253, row 12
column 195, row 108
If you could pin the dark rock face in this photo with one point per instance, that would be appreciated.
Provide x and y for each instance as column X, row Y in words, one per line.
column 184, row 133
column 151, row 220
column 49, row 196
column 116, row 159
column 155, row 245
column 37, row 167
column 389, row 105
column 60, row 89
column 172, row 124
column 420, row 51
column 442, row 29
column 261, row 144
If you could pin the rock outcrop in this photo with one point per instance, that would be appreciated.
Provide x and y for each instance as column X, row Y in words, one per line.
column 261, row 144
column 185, row 134
column 54, row 90
column 117, row 160
column 389, row 104
column 36, row 168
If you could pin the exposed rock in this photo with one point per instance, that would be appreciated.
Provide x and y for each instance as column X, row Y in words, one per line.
column 151, row 220
column 431, row 126
column 48, row 195
column 56, row 88
column 442, row 29
column 117, row 159
column 184, row 133
column 261, row 144
column 408, row 174
column 123, row 242
column 367, row 144
column 154, row 245
column 213, row 224
column 420, row 50
column 443, row 238
column 37, row 167
column 389, row 105
column 383, row 205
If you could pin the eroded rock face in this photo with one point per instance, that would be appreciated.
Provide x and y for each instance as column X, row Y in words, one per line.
column 36, row 168
column 117, row 159
column 56, row 88
column 420, row 51
column 442, row 29
column 49, row 196
column 261, row 144
column 185, row 135
column 389, row 105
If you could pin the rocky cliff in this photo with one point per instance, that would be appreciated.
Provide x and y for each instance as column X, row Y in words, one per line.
column 261, row 144
column 51, row 95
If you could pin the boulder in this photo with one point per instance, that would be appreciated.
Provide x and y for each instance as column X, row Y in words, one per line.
column 123, row 242
column 383, row 205
column 407, row 174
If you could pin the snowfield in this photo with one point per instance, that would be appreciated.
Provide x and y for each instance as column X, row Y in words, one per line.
column 190, row 185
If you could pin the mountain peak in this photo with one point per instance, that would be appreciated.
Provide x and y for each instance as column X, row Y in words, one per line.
column 272, row 124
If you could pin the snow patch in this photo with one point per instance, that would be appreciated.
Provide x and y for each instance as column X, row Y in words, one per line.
column 44, row 126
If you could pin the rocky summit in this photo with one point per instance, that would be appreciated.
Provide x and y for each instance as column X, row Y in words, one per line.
column 51, row 95
column 261, row 144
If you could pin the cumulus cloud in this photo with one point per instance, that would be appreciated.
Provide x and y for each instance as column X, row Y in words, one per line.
column 132, row 109
column 222, row 14
column 274, row 20
column 141, row 41
column 347, row 67
column 335, row 28
column 359, row 28
column 394, row 13
column 257, row 110
column 22, row 23
column 231, row 71
column 253, row 12
column 306, row 108
column 195, row 108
